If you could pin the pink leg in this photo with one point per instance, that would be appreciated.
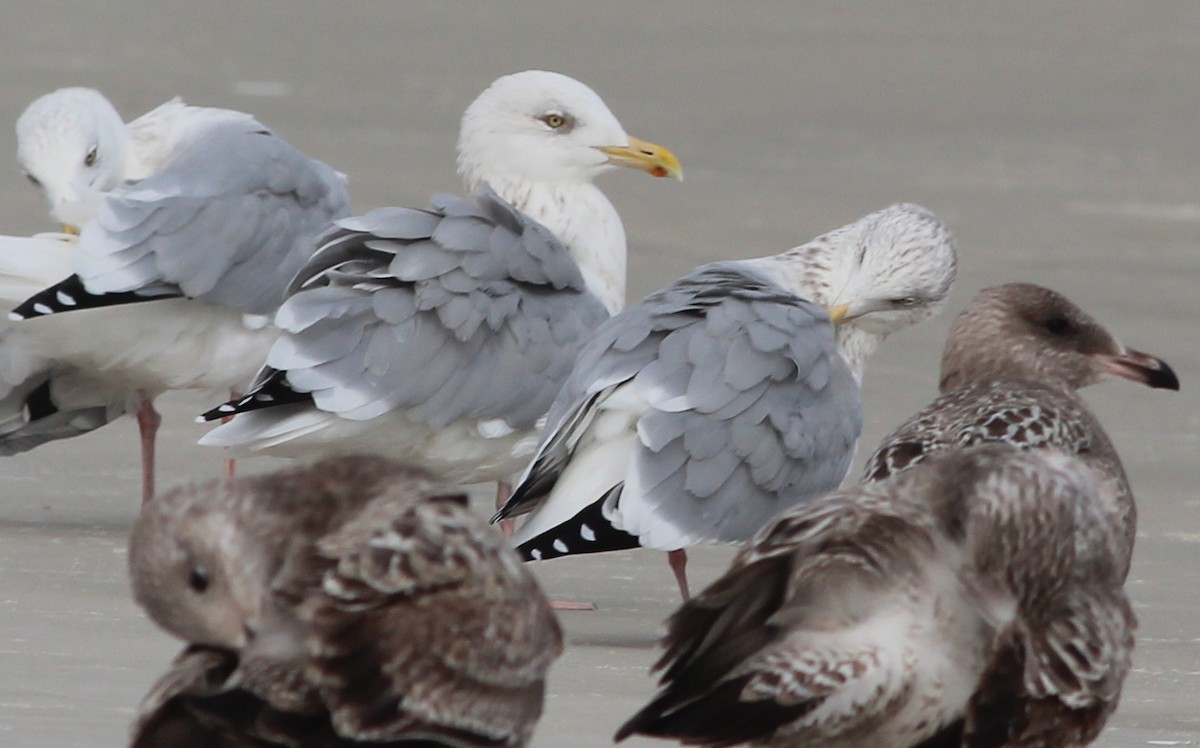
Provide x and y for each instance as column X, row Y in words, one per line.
column 230, row 463
column 148, row 421
column 678, row 562
column 503, row 491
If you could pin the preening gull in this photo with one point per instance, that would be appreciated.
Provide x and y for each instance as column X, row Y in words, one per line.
column 1013, row 361
column 351, row 602
column 974, row 600
column 440, row 336
column 42, row 399
column 721, row 400
column 204, row 206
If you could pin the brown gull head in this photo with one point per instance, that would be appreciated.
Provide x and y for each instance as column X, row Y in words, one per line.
column 1026, row 331
column 352, row 600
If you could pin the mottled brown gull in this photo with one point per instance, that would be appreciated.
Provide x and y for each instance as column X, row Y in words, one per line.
column 724, row 398
column 974, row 601
column 1013, row 361
column 440, row 336
column 352, row 602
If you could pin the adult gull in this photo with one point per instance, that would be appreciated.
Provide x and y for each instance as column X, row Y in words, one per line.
column 724, row 398
column 205, row 207
column 440, row 336
column 350, row 602
column 974, row 600
column 1013, row 362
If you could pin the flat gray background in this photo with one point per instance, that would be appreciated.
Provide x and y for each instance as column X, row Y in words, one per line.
column 1058, row 140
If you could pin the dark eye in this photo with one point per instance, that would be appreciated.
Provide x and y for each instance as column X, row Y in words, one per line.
column 1057, row 325
column 33, row 180
column 554, row 121
column 904, row 301
column 90, row 158
column 198, row 579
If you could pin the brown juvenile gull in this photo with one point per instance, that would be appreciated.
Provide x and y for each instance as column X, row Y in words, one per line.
column 440, row 337
column 192, row 221
column 724, row 398
column 1012, row 364
column 348, row 603
column 973, row 601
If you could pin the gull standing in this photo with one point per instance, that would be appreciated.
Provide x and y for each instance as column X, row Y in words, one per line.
column 351, row 602
column 1013, row 361
column 440, row 336
column 972, row 601
column 205, row 208
column 727, row 397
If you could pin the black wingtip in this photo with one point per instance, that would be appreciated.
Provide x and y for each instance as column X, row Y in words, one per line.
column 71, row 295
column 589, row 531
column 272, row 392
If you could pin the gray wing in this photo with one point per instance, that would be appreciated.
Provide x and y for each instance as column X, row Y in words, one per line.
column 466, row 310
column 429, row 626
column 229, row 221
column 750, row 407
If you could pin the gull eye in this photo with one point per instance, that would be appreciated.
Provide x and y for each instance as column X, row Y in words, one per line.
column 555, row 121
column 33, row 180
column 904, row 301
column 90, row 158
column 198, row 579
column 1058, row 326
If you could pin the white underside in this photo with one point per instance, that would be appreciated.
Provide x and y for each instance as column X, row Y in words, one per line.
column 148, row 347
column 462, row 452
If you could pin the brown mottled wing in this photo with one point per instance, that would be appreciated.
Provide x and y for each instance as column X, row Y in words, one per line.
column 738, row 665
column 207, row 699
column 1057, row 686
column 1044, row 532
column 1016, row 412
column 428, row 627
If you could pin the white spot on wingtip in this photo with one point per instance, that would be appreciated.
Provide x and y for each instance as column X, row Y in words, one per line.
column 535, row 554
column 13, row 316
column 586, row 533
column 226, row 408
column 64, row 299
column 41, row 308
column 560, row 546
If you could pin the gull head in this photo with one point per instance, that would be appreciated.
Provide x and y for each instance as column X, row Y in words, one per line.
column 537, row 126
column 195, row 572
column 1026, row 331
column 896, row 269
column 72, row 145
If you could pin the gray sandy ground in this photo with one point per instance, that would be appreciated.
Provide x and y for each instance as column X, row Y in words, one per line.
column 1058, row 140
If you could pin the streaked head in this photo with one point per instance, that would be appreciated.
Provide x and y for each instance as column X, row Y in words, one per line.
column 72, row 145
column 897, row 269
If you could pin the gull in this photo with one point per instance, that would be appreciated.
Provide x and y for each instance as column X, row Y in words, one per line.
column 41, row 399
column 440, row 336
column 726, row 397
column 350, row 602
column 974, row 600
column 204, row 212
column 1013, row 362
